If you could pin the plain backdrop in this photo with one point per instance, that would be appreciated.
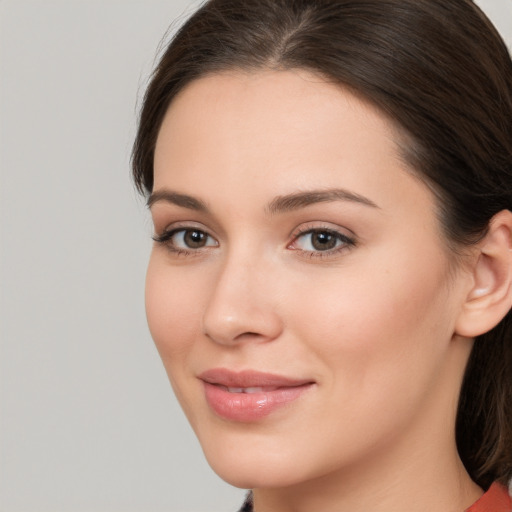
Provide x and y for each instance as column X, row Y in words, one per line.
column 87, row 418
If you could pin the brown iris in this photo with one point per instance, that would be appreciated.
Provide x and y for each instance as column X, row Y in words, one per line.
column 195, row 239
column 323, row 240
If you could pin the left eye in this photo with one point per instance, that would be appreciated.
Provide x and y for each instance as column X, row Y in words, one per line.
column 320, row 240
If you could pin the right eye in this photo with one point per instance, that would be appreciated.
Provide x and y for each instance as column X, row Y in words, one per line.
column 186, row 239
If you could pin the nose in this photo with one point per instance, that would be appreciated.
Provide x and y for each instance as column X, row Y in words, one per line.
column 242, row 306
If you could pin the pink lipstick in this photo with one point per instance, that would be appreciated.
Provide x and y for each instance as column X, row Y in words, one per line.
column 249, row 395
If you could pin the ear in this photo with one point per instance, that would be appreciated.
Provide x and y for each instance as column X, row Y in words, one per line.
column 490, row 297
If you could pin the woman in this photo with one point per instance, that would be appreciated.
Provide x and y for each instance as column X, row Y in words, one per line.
column 330, row 287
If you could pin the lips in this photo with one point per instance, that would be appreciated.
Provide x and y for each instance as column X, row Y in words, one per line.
column 249, row 396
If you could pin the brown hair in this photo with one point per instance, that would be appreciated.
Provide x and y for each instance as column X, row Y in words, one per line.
column 440, row 71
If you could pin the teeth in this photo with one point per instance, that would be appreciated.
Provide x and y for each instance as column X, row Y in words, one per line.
column 245, row 390
column 253, row 390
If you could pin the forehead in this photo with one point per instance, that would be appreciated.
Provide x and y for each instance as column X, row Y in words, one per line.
column 241, row 139
column 268, row 114
column 277, row 97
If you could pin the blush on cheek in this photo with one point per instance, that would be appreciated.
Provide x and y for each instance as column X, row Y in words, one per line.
column 169, row 312
column 172, row 321
column 357, row 319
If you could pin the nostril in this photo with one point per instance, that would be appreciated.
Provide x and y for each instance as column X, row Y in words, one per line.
column 249, row 336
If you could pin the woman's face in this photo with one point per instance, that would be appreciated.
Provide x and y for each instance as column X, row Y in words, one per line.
column 299, row 292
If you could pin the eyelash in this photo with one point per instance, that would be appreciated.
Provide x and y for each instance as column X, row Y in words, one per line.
column 166, row 239
column 343, row 242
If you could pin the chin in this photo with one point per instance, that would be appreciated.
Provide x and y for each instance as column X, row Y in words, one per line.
column 254, row 463
column 249, row 474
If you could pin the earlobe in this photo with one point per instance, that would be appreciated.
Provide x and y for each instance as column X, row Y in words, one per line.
column 490, row 297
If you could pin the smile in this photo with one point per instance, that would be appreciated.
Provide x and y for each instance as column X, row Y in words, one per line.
column 249, row 396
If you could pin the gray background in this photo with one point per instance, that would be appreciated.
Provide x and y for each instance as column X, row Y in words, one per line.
column 87, row 418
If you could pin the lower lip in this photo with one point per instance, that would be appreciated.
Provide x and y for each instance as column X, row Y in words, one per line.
column 248, row 407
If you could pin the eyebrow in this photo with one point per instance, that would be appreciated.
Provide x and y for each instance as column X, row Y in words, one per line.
column 297, row 200
column 280, row 204
column 183, row 200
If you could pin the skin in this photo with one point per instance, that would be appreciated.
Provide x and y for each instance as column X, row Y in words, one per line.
column 371, row 322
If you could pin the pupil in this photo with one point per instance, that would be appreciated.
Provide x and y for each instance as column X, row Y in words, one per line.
column 323, row 241
column 195, row 239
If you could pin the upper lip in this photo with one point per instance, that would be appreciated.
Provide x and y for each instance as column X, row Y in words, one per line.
column 249, row 379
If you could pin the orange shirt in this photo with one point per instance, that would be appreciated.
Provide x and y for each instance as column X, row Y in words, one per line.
column 496, row 499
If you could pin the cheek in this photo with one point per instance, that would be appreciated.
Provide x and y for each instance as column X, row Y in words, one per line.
column 379, row 328
column 172, row 310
